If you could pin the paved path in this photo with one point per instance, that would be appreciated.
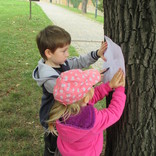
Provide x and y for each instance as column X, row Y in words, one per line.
column 79, row 27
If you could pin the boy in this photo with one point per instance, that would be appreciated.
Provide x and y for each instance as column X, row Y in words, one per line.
column 53, row 43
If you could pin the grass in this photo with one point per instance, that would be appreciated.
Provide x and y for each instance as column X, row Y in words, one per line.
column 20, row 133
column 91, row 16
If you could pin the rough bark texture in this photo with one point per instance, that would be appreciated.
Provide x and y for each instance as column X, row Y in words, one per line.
column 84, row 6
column 132, row 25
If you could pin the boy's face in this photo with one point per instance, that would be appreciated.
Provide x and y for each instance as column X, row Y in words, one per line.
column 59, row 56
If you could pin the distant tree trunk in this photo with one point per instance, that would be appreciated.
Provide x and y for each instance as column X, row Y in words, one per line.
column 84, row 6
column 132, row 25
column 75, row 3
column 67, row 3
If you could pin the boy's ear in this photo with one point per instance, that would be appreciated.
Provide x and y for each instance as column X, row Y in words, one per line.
column 48, row 53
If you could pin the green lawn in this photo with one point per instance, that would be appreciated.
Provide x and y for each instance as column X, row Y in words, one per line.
column 20, row 130
column 21, row 133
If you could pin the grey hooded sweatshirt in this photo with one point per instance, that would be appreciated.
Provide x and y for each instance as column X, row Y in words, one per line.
column 46, row 76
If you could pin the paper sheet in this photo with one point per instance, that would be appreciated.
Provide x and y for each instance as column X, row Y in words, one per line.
column 115, row 60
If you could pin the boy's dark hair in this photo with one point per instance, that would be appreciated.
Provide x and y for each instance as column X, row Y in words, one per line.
column 52, row 37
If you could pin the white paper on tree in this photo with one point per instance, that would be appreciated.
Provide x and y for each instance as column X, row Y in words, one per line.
column 115, row 60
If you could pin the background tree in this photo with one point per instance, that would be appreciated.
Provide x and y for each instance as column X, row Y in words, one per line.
column 84, row 6
column 132, row 25
column 67, row 1
column 100, row 4
column 75, row 3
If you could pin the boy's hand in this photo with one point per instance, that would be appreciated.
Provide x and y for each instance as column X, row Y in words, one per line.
column 118, row 79
column 102, row 50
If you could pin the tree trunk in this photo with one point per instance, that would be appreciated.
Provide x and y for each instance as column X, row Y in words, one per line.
column 84, row 6
column 132, row 25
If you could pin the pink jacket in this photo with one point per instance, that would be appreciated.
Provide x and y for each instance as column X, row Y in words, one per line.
column 82, row 134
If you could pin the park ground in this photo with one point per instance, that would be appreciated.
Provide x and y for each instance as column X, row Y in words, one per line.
column 21, row 133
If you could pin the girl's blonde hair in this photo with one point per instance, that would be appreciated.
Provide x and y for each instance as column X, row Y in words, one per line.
column 61, row 111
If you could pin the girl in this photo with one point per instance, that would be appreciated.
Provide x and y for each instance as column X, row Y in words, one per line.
column 79, row 125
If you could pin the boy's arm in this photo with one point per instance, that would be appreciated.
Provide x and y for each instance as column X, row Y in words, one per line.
column 100, row 92
column 86, row 60
column 83, row 61
column 108, row 116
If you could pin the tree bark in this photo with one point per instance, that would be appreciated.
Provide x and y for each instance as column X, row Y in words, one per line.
column 84, row 6
column 132, row 25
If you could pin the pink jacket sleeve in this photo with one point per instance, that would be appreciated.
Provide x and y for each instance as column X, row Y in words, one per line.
column 108, row 116
column 100, row 92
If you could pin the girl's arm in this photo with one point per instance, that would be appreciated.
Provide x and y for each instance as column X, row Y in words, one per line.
column 100, row 92
column 108, row 116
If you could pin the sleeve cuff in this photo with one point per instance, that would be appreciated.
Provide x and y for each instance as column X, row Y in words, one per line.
column 95, row 55
column 120, row 89
column 109, row 88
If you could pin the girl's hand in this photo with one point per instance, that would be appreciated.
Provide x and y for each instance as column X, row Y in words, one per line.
column 102, row 50
column 122, row 81
column 118, row 79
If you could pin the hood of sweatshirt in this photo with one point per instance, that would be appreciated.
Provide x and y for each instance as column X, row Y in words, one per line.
column 78, row 127
column 43, row 73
